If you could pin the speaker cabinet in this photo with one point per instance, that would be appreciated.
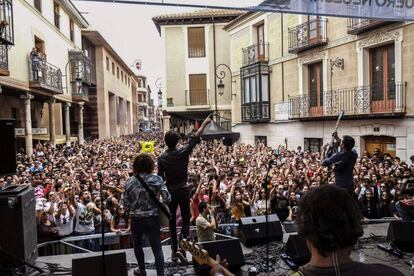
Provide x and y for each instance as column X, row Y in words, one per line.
column 227, row 247
column 400, row 233
column 253, row 230
column 297, row 249
column 7, row 147
column 115, row 264
column 18, row 239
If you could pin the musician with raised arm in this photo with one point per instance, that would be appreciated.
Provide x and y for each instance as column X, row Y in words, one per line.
column 173, row 168
column 344, row 162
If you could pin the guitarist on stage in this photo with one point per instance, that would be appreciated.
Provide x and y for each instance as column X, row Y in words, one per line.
column 344, row 162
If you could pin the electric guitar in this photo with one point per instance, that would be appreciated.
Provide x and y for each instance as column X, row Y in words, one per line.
column 201, row 256
column 333, row 146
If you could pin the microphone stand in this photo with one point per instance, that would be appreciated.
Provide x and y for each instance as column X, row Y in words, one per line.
column 265, row 185
column 102, row 223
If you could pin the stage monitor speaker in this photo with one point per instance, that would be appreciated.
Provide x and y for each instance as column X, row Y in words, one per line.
column 18, row 239
column 8, row 147
column 297, row 249
column 227, row 247
column 400, row 233
column 253, row 229
column 115, row 264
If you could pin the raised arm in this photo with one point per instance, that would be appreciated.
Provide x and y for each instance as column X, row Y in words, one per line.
column 203, row 126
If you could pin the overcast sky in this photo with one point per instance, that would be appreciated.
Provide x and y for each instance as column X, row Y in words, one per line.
column 130, row 31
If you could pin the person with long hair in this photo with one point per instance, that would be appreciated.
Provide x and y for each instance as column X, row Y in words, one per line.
column 121, row 224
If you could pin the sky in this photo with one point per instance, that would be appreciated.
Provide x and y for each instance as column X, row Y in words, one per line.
column 130, row 31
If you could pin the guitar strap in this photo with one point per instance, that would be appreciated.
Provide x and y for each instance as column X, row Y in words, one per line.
column 153, row 197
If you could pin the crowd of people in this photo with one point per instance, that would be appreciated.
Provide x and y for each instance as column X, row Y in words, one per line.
column 67, row 183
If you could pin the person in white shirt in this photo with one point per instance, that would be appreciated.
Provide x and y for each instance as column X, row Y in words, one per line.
column 64, row 219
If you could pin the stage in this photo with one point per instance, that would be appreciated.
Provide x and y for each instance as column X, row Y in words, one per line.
column 366, row 252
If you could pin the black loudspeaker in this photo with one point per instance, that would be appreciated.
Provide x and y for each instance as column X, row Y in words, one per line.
column 7, row 147
column 400, row 233
column 253, row 230
column 18, row 239
column 227, row 247
column 115, row 264
column 297, row 249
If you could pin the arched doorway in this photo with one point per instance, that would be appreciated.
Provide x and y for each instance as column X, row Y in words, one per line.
column 386, row 144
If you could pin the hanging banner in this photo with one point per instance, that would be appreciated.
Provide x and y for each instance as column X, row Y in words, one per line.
column 391, row 10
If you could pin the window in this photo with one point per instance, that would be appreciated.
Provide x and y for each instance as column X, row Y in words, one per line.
column 260, row 139
column 107, row 63
column 196, row 42
column 382, row 77
column 72, row 30
column 122, row 75
column 39, row 44
column 140, row 98
column 255, row 93
column 315, row 88
column 117, row 72
column 198, row 89
column 313, row 144
column 139, row 83
column 38, row 5
column 56, row 11
column 113, row 68
column 260, row 42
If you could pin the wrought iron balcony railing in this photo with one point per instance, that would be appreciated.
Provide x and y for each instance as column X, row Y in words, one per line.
column 256, row 53
column 308, row 35
column 359, row 25
column 256, row 112
column 389, row 99
column 4, row 61
column 197, row 97
column 45, row 76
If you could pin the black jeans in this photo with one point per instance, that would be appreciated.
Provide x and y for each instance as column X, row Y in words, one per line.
column 179, row 198
column 151, row 228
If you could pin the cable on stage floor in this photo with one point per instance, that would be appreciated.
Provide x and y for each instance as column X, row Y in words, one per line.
column 256, row 260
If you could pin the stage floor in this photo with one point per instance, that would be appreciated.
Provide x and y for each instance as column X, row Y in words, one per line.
column 368, row 254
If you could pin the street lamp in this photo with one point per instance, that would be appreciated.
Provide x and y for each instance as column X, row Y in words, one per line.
column 220, row 88
column 158, row 84
column 221, row 74
column 78, row 83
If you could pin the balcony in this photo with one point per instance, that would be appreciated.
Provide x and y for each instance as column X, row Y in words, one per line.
column 256, row 53
column 358, row 102
column 197, row 97
column 361, row 25
column 256, row 112
column 80, row 67
column 80, row 96
column 4, row 61
column 46, row 77
column 308, row 35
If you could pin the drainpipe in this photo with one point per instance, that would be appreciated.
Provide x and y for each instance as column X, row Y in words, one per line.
column 214, row 75
column 281, row 55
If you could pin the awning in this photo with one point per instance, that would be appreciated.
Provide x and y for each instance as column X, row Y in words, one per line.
column 214, row 131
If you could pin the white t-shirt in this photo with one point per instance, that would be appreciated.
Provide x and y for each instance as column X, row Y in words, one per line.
column 65, row 224
column 84, row 219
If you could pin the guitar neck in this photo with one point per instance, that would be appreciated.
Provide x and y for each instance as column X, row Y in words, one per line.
column 201, row 256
